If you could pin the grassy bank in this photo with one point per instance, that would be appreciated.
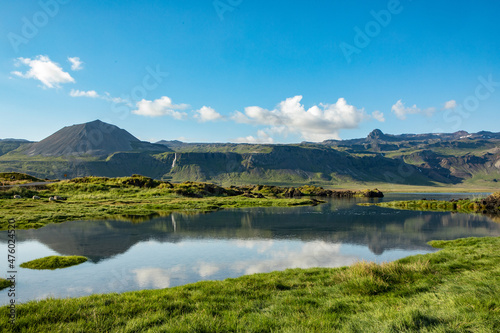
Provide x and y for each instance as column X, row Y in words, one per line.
column 54, row 262
column 453, row 290
column 4, row 283
column 489, row 205
column 129, row 197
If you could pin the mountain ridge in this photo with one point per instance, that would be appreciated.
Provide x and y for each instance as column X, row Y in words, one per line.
column 101, row 149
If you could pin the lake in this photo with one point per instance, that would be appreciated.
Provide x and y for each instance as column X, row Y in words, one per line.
column 184, row 248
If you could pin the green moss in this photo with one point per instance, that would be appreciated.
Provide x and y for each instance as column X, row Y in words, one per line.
column 453, row 290
column 54, row 262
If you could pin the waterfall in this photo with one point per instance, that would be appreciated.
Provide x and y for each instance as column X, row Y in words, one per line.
column 175, row 160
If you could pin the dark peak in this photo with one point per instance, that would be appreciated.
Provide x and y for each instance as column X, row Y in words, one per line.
column 170, row 143
column 97, row 124
column 376, row 134
column 461, row 133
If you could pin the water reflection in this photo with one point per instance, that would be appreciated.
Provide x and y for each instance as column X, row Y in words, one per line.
column 310, row 254
column 184, row 248
column 379, row 229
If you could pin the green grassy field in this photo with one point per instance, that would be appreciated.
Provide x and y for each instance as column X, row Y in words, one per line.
column 127, row 198
column 453, row 290
column 139, row 198
column 54, row 262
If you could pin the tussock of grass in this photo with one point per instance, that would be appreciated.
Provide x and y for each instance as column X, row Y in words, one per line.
column 370, row 279
column 4, row 283
column 453, row 290
column 22, row 191
column 54, row 262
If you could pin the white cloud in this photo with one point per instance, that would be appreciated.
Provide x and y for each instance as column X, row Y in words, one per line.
column 317, row 123
column 402, row 111
column 262, row 137
column 117, row 100
column 262, row 246
column 160, row 107
column 155, row 277
column 379, row 116
column 76, row 63
column 206, row 113
column 206, row 270
column 311, row 254
column 44, row 70
column 80, row 93
column 93, row 94
column 450, row 105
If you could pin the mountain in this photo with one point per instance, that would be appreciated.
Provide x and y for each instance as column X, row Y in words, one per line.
column 95, row 138
column 442, row 157
column 102, row 149
column 391, row 142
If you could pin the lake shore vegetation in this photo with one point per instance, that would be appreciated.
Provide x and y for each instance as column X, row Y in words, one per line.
column 4, row 283
column 488, row 206
column 453, row 290
column 54, row 262
column 139, row 197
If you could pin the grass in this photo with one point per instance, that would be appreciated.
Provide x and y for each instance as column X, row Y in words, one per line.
column 4, row 283
column 54, row 262
column 489, row 205
column 131, row 197
column 12, row 178
column 18, row 176
column 462, row 206
column 453, row 290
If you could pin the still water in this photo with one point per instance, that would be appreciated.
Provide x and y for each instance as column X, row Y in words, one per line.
column 183, row 248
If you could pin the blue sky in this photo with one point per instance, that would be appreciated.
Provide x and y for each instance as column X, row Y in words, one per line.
column 249, row 71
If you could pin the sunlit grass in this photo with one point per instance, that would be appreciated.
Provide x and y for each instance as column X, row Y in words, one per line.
column 137, row 196
column 489, row 205
column 54, row 262
column 4, row 283
column 453, row 290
